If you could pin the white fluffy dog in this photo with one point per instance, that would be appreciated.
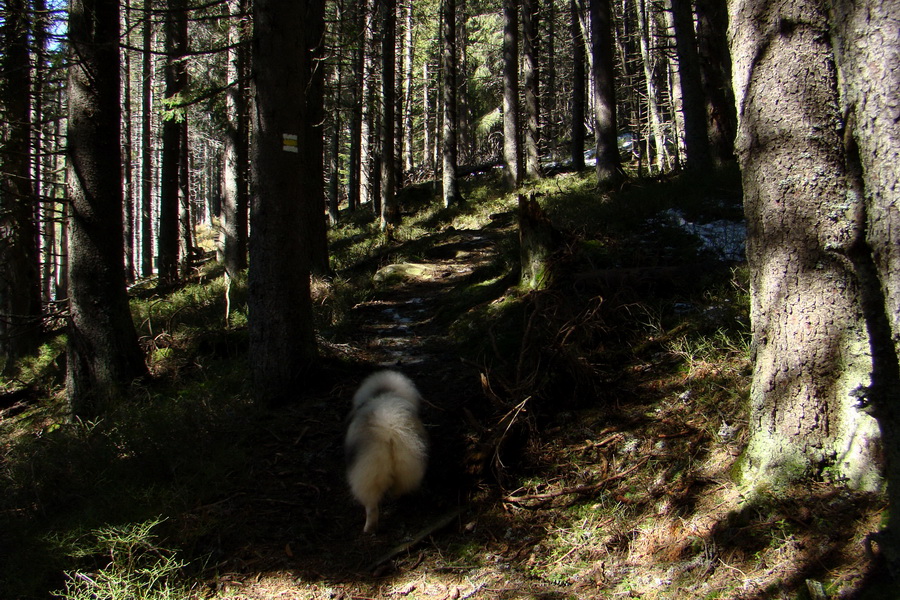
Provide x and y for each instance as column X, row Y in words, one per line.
column 386, row 444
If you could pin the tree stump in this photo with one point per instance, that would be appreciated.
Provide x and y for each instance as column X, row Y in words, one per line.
column 538, row 241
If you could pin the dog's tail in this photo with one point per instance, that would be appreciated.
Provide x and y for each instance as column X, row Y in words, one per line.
column 387, row 382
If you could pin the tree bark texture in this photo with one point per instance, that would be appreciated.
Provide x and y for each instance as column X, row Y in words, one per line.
column 103, row 355
column 810, row 346
column 865, row 41
column 282, row 336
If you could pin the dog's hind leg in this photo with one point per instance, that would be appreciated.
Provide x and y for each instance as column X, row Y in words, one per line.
column 371, row 518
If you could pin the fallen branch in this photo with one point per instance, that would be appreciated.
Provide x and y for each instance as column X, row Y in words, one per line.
column 424, row 533
column 576, row 489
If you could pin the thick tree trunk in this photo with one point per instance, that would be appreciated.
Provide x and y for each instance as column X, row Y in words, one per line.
column 512, row 152
column 810, row 347
column 282, row 335
column 450, row 186
column 103, row 354
column 20, row 280
column 868, row 56
column 609, row 166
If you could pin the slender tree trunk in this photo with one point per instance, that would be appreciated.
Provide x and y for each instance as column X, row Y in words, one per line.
column 451, row 191
column 715, row 72
column 696, row 139
column 673, row 79
column 465, row 142
column 103, row 355
column 578, row 86
column 234, row 206
column 512, row 151
column 336, row 76
column 549, row 93
column 390, row 215
column 282, row 335
column 426, row 119
column 128, row 150
column 368, row 148
column 176, row 85
column 531, row 82
column 661, row 156
column 312, row 117
column 185, row 205
column 408, row 88
column 357, row 119
column 20, row 280
column 609, row 167
column 146, row 218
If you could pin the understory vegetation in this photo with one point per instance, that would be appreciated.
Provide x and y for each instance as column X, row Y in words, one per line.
column 586, row 431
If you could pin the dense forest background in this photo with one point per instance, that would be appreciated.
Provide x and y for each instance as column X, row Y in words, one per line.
column 291, row 168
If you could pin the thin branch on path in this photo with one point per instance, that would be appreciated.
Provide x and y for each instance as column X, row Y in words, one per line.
column 576, row 489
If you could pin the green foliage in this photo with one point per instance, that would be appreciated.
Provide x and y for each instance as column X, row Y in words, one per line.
column 137, row 568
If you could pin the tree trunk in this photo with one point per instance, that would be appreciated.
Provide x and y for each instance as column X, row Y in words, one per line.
column 282, row 336
column 354, row 181
column 427, row 138
column 408, row 88
column 512, row 152
column 578, row 86
column 103, row 354
column 868, row 57
column 715, row 72
column 696, row 140
column 389, row 215
column 452, row 195
column 20, row 279
column 643, row 22
column 312, row 118
column 531, row 83
column 234, row 205
column 172, row 138
column 810, row 346
column 146, row 217
column 609, row 167
column 128, row 151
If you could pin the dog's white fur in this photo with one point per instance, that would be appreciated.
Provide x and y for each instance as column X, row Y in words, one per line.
column 386, row 444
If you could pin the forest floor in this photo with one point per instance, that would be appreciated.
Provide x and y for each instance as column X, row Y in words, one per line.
column 584, row 437
column 625, row 492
